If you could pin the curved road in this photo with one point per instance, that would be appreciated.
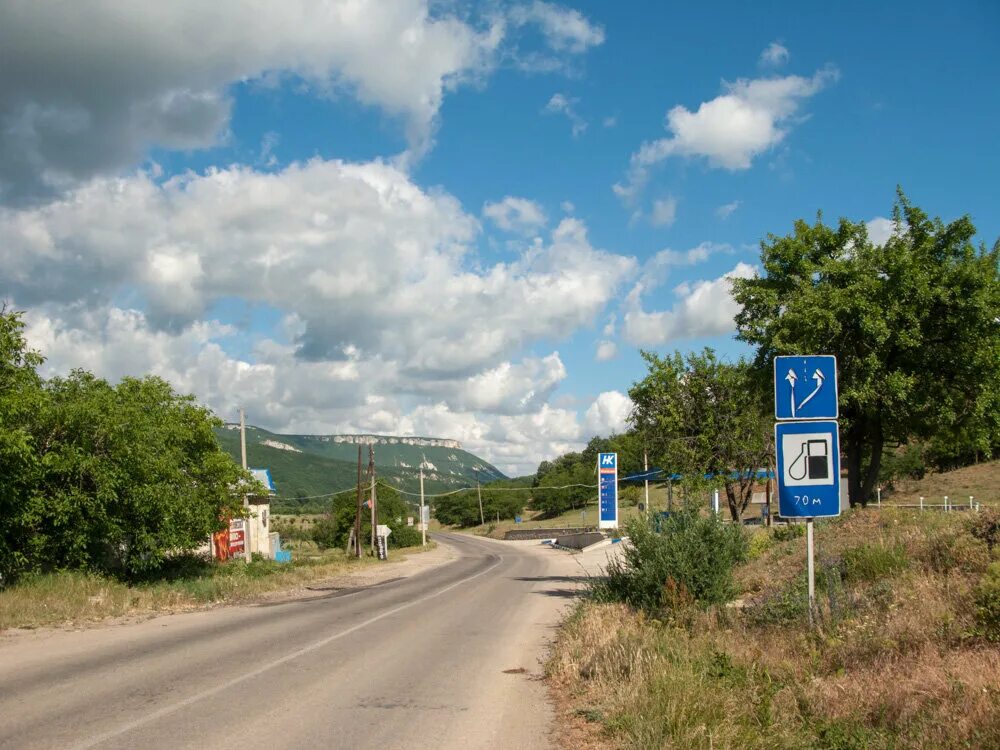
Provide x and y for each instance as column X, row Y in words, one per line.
column 413, row 663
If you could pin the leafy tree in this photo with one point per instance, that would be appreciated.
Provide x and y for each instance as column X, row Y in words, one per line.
column 701, row 416
column 20, row 396
column 914, row 323
column 125, row 475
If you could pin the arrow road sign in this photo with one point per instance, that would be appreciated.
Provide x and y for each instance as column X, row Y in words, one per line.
column 808, row 468
column 805, row 387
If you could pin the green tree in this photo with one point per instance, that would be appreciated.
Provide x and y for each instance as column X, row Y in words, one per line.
column 20, row 397
column 913, row 323
column 125, row 475
column 699, row 417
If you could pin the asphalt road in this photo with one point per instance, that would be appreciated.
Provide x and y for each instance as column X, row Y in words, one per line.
column 414, row 663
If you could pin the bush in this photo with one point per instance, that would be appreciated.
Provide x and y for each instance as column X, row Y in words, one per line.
column 985, row 526
column 870, row 562
column 987, row 596
column 788, row 532
column 405, row 536
column 326, row 532
column 690, row 560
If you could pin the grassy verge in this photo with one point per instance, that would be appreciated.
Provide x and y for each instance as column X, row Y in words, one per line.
column 71, row 597
column 899, row 659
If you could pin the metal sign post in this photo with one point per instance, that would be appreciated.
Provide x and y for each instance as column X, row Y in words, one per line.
column 807, row 446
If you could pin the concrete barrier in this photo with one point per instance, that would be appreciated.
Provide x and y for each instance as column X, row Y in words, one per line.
column 515, row 535
column 579, row 541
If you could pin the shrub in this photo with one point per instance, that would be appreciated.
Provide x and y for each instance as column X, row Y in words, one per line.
column 691, row 559
column 759, row 544
column 987, row 596
column 405, row 536
column 870, row 562
column 788, row 531
column 326, row 532
column 985, row 526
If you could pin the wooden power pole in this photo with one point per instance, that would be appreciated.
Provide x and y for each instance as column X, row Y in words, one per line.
column 371, row 474
column 357, row 515
column 479, row 494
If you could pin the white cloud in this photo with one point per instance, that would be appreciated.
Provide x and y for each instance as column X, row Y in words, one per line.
column 729, row 131
column 880, row 229
column 703, row 308
column 385, row 305
column 565, row 29
column 610, row 121
column 606, row 350
column 358, row 252
column 561, row 104
column 774, row 55
column 514, row 214
column 664, row 212
column 567, row 207
column 609, row 413
column 726, row 209
column 88, row 87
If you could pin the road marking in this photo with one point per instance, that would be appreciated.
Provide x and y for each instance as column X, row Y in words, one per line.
column 167, row 710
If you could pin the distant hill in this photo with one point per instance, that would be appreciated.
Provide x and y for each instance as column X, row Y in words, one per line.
column 306, row 465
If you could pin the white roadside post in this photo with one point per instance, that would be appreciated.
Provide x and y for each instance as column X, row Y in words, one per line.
column 879, row 492
column 946, row 507
column 715, row 501
column 921, row 502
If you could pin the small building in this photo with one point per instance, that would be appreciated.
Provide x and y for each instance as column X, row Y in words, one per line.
column 260, row 514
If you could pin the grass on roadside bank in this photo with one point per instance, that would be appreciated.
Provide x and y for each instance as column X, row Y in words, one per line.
column 905, row 654
column 74, row 597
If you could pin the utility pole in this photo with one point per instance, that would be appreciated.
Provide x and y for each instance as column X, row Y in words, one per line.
column 357, row 515
column 479, row 494
column 645, row 469
column 423, row 526
column 246, row 500
column 371, row 473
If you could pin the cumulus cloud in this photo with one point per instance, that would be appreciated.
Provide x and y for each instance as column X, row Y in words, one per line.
column 703, row 308
column 774, row 55
column 87, row 89
column 750, row 117
column 383, row 302
column 609, row 413
column 513, row 214
column 562, row 104
column 880, row 229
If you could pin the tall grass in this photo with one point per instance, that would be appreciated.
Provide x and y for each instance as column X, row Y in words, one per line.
column 902, row 656
column 73, row 597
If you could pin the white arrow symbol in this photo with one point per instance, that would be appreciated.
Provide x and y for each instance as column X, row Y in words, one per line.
column 791, row 378
column 818, row 377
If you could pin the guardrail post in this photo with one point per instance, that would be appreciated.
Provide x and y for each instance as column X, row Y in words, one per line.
column 921, row 502
column 946, row 504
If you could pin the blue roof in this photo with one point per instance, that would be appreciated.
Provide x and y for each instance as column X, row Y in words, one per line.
column 264, row 477
column 659, row 475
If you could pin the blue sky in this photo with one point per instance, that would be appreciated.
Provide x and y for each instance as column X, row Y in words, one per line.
column 456, row 220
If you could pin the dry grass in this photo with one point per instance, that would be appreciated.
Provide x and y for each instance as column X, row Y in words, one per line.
column 73, row 598
column 982, row 481
column 893, row 662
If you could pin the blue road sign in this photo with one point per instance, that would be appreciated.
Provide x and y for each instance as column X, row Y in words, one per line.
column 607, row 490
column 808, row 468
column 805, row 387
